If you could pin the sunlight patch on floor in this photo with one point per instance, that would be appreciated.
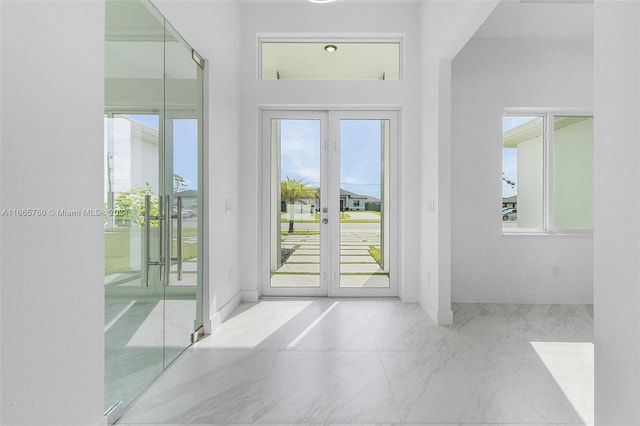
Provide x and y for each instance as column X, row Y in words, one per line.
column 250, row 328
column 567, row 372
column 306, row 331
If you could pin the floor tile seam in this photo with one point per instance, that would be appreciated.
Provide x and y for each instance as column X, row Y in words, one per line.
column 390, row 389
column 329, row 350
column 532, row 405
column 384, row 370
column 263, row 391
column 284, row 334
column 479, row 352
column 222, row 350
column 366, row 423
column 531, row 351
column 373, row 334
column 562, row 352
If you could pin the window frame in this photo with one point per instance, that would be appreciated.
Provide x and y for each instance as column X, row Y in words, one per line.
column 331, row 38
column 548, row 116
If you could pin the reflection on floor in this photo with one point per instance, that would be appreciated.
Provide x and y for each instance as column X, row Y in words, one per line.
column 381, row 361
column 358, row 268
column 142, row 336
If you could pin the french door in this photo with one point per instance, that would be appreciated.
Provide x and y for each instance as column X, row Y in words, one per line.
column 329, row 192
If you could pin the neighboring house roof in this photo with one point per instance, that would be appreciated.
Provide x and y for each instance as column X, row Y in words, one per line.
column 189, row 193
column 348, row 194
column 534, row 128
column 354, row 196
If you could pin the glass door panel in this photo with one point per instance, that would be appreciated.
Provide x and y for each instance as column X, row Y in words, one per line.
column 364, row 183
column 182, row 131
column 295, row 205
column 134, row 307
column 152, row 196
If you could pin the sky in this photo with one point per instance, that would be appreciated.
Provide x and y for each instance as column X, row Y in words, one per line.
column 360, row 154
column 360, row 165
column 185, row 142
column 510, row 155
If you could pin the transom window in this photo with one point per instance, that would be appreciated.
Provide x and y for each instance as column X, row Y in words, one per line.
column 330, row 59
column 547, row 173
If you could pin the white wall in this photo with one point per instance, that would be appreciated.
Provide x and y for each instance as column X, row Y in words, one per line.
column 52, row 267
column 617, row 237
column 213, row 29
column 445, row 27
column 489, row 76
column 305, row 17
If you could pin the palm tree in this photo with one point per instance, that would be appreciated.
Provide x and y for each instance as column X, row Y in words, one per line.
column 292, row 190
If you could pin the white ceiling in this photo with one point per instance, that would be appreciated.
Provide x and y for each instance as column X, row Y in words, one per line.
column 539, row 19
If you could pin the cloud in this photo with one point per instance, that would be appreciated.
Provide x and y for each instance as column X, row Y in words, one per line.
column 360, row 169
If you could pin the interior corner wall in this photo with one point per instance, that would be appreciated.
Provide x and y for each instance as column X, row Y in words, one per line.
column 214, row 30
column 52, row 104
column 489, row 76
column 334, row 18
column 429, row 205
column 617, row 236
column 445, row 28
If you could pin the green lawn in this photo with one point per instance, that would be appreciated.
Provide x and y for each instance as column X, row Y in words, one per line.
column 118, row 250
column 308, row 232
column 344, row 218
column 376, row 254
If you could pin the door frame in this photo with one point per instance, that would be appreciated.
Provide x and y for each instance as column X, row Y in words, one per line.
column 330, row 139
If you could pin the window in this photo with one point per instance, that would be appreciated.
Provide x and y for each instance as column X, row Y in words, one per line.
column 547, row 173
column 330, row 59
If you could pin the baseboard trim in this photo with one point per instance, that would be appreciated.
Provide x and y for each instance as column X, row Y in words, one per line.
column 445, row 316
column 525, row 298
column 250, row 296
column 223, row 313
column 439, row 316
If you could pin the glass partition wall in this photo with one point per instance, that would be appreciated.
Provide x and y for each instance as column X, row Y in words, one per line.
column 152, row 196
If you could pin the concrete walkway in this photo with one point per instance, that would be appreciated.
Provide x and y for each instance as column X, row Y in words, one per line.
column 357, row 267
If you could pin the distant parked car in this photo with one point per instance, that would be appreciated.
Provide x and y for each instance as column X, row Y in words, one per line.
column 510, row 214
column 186, row 213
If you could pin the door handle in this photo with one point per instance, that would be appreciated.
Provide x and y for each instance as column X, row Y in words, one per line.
column 147, row 229
column 179, row 236
column 168, row 239
column 147, row 236
column 325, row 220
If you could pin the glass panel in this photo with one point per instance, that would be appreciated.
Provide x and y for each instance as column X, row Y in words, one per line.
column 522, row 172
column 330, row 61
column 364, row 258
column 134, row 307
column 295, row 201
column 573, row 172
column 183, row 111
column 147, row 321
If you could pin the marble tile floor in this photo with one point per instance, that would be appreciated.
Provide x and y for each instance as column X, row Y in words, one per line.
column 337, row 361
